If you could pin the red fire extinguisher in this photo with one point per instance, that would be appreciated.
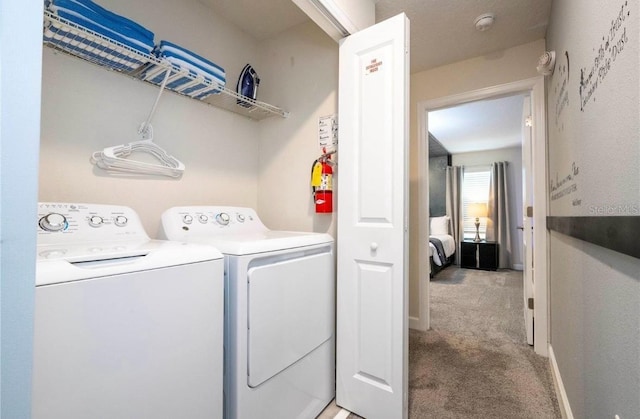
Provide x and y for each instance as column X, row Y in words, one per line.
column 322, row 184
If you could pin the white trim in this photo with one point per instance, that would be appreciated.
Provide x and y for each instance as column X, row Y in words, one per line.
column 535, row 87
column 518, row 267
column 563, row 400
column 342, row 414
column 424, row 268
column 540, row 210
column 417, row 323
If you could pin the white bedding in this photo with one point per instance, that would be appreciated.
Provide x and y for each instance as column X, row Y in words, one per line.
column 448, row 244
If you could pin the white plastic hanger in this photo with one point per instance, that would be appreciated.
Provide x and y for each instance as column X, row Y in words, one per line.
column 113, row 159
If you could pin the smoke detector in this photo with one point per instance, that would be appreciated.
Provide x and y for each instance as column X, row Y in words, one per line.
column 485, row 21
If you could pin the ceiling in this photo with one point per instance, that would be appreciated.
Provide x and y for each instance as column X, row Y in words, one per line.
column 477, row 126
column 442, row 31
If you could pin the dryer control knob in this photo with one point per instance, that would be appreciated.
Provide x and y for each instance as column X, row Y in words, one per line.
column 203, row 218
column 95, row 221
column 223, row 218
column 240, row 218
column 121, row 221
column 187, row 219
column 53, row 222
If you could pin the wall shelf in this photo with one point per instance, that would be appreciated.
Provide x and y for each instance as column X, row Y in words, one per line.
column 72, row 39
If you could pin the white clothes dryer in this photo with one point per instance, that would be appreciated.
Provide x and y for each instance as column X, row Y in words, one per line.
column 279, row 311
column 125, row 326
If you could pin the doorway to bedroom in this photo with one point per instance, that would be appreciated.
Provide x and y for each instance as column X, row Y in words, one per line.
column 476, row 306
column 488, row 164
column 475, row 213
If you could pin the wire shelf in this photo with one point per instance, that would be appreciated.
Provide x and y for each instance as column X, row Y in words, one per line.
column 70, row 38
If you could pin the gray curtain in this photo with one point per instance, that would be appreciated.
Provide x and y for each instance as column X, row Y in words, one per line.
column 498, row 223
column 454, row 205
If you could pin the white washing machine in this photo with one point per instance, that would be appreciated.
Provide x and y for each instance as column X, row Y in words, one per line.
column 279, row 311
column 125, row 326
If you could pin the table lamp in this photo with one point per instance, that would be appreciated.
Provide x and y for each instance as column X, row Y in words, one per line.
column 477, row 210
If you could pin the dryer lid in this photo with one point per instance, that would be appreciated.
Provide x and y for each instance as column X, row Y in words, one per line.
column 267, row 241
column 233, row 230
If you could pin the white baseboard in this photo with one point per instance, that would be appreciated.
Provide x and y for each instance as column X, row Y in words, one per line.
column 563, row 400
column 518, row 267
column 342, row 414
column 414, row 323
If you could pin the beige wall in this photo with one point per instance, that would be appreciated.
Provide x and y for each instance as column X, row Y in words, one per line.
column 513, row 64
column 229, row 159
column 299, row 71
column 86, row 108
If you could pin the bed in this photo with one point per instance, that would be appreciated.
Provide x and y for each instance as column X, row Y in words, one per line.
column 442, row 246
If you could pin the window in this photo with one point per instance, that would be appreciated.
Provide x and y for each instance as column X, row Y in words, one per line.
column 475, row 189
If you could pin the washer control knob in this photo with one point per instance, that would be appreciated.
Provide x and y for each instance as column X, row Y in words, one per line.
column 240, row 218
column 121, row 221
column 223, row 218
column 203, row 218
column 187, row 219
column 95, row 221
column 53, row 222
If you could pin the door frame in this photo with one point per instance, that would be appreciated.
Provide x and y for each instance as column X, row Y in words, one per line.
column 535, row 88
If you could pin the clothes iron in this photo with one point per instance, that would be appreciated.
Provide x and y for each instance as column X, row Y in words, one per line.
column 248, row 85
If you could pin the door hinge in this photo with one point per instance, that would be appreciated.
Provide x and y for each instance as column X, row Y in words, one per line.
column 528, row 121
column 530, row 212
column 530, row 303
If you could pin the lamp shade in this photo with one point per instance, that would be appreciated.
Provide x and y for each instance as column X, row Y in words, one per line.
column 477, row 209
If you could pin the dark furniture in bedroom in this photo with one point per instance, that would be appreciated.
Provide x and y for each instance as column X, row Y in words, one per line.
column 479, row 255
column 435, row 268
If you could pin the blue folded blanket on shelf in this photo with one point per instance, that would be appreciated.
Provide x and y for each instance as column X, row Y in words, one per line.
column 97, row 19
column 121, row 21
column 92, row 49
column 193, row 85
column 189, row 60
column 204, row 77
column 191, row 74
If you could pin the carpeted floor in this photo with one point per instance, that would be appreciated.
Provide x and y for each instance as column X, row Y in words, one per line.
column 486, row 305
column 475, row 363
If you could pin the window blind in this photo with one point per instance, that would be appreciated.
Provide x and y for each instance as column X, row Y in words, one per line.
column 475, row 188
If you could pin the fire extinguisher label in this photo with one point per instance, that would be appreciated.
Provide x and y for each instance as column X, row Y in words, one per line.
column 327, row 182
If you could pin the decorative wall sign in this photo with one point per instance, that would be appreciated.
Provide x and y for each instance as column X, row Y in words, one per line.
column 605, row 57
column 594, row 125
column 594, row 112
column 565, row 184
column 561, row 89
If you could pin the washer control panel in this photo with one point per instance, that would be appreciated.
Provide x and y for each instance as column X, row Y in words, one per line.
column 179, row 222
column 72, row 223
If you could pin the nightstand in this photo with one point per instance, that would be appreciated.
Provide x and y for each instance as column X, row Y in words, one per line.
column 479, row 255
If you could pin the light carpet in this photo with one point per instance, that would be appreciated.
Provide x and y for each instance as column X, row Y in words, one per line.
column 475, row 362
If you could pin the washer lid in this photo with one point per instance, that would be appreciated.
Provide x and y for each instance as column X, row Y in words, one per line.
column 265, row 241
column 65, row 263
